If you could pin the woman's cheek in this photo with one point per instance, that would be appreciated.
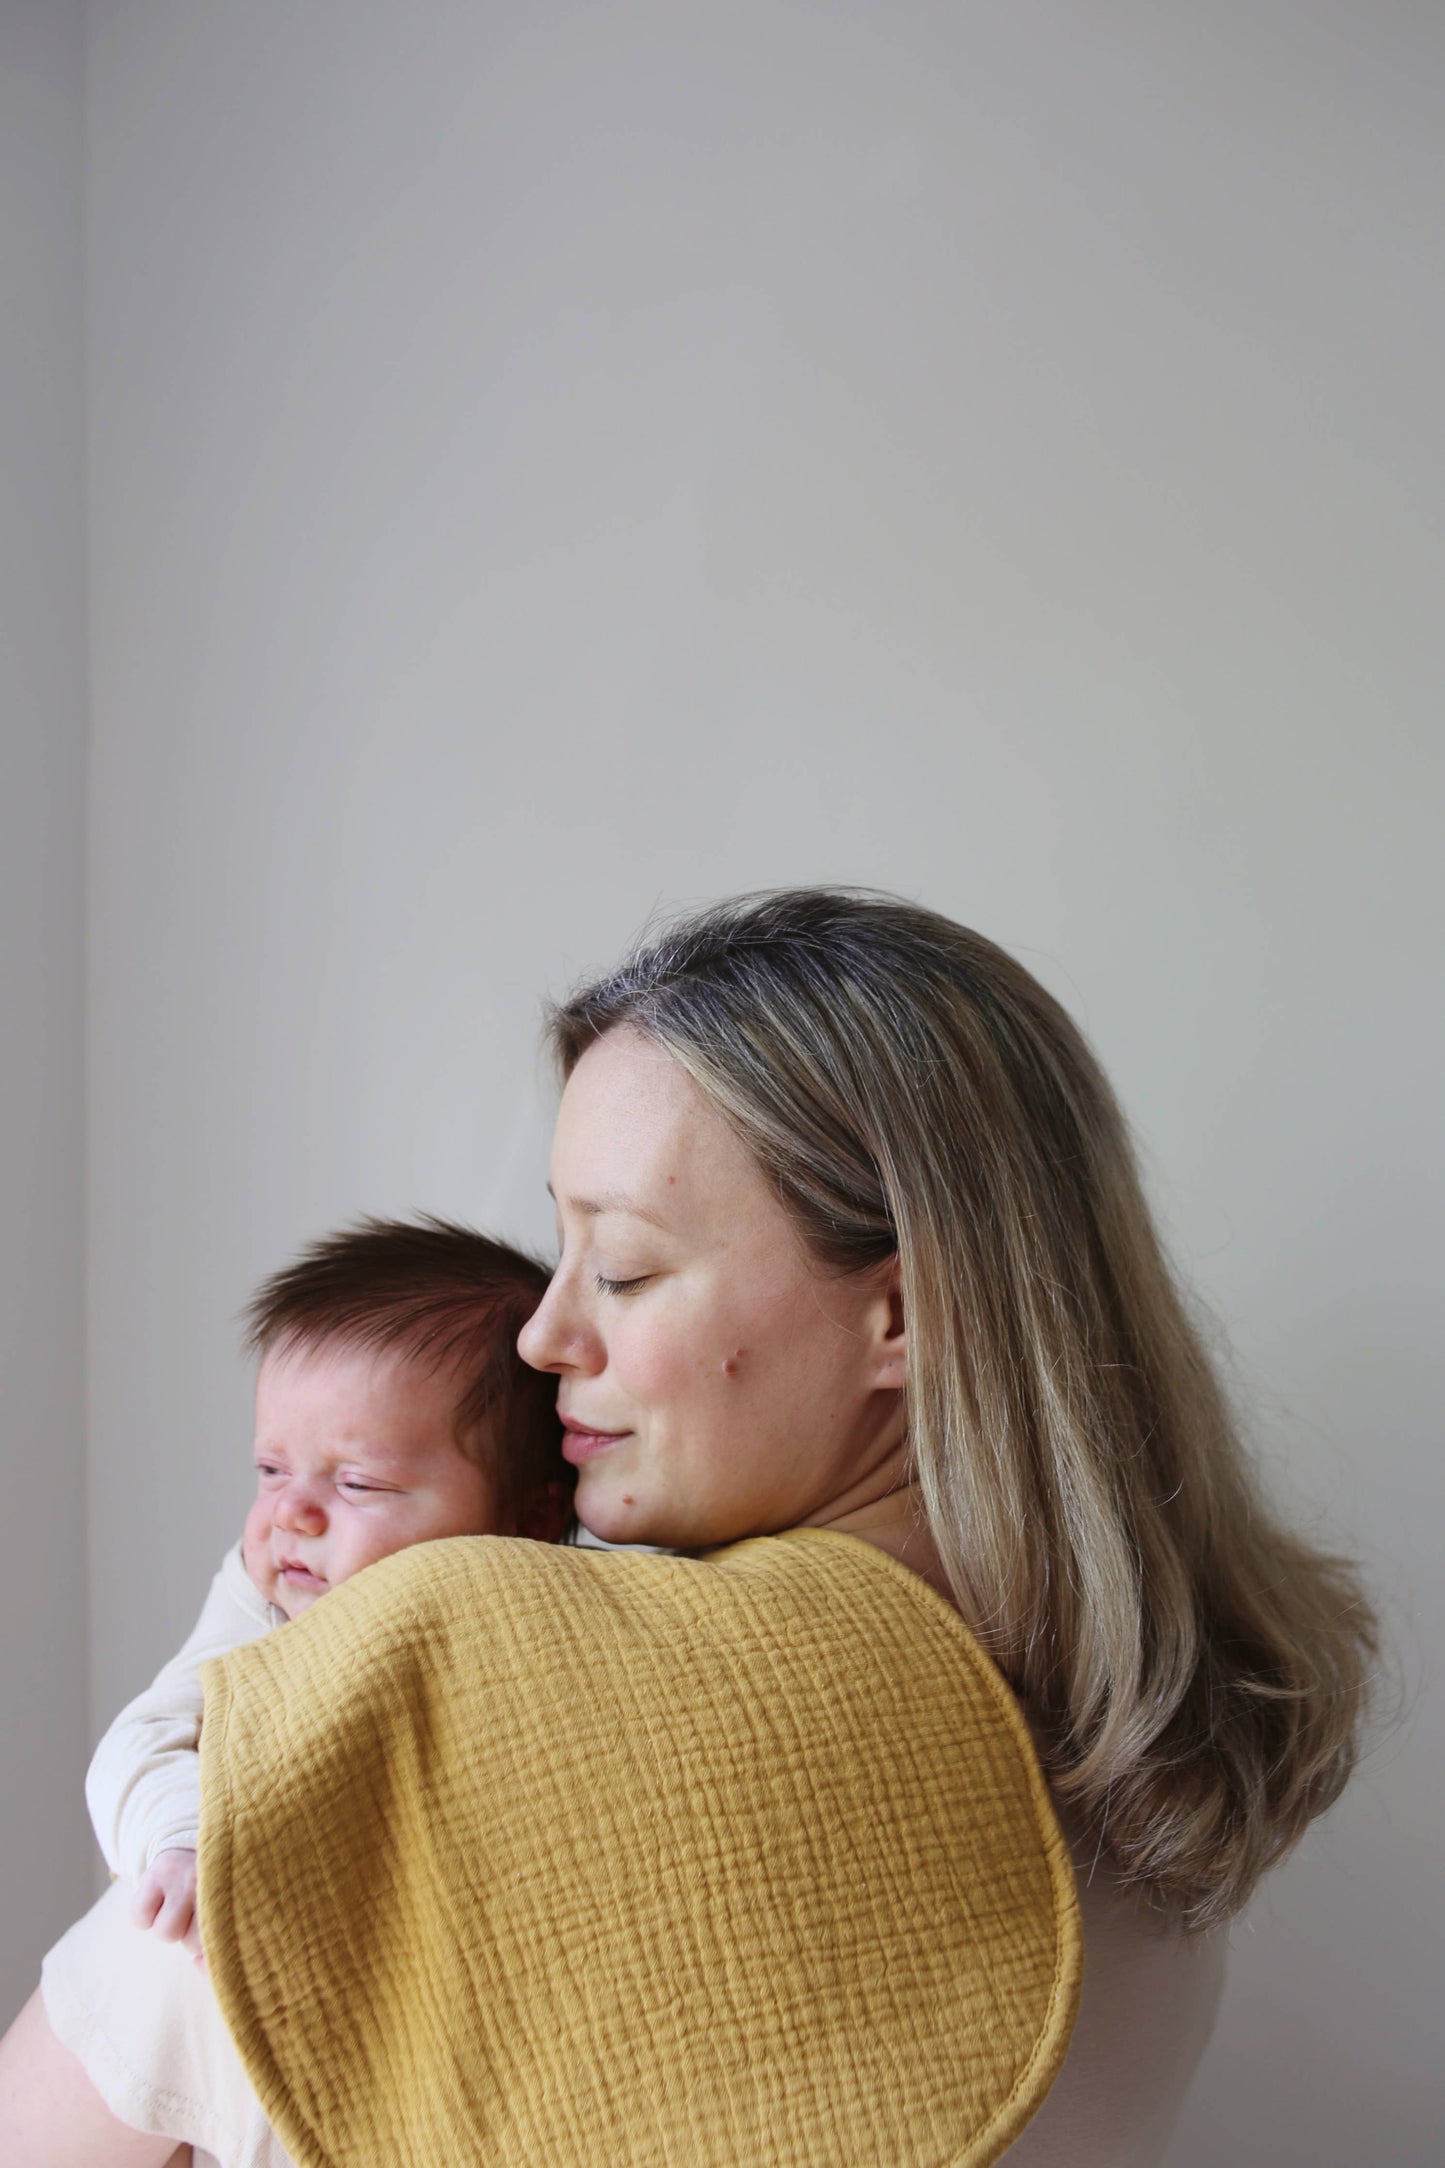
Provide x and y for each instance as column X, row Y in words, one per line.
column 656, row 1367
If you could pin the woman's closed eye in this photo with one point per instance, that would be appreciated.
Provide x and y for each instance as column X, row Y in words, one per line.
column 621, row 1287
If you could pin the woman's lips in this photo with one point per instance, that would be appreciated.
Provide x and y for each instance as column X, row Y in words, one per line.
column 581, row 1444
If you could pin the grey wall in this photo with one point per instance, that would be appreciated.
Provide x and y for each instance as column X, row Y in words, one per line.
column 44, row 1842
column 546, row 461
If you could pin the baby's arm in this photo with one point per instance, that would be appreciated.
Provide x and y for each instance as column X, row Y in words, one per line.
column 144, row 1783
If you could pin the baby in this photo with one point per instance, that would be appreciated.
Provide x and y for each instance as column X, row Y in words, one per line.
column 391, row 1408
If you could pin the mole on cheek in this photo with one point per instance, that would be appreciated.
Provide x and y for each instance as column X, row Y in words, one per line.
column 730, row 1365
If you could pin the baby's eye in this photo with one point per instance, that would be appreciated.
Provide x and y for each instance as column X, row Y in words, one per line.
column 352, row 1483
column 621, row 1287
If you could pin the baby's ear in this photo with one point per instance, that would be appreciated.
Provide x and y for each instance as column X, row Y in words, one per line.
column 546, row 1515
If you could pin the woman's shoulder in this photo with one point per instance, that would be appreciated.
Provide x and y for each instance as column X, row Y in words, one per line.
column 838, row 1585
column 736, row 1764
column 847, row 1596
column 808, row 1622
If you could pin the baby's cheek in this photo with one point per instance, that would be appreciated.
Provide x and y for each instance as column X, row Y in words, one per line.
column 382, row 1539
column 256, row 1548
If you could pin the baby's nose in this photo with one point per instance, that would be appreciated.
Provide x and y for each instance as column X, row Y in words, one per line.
column 297, row 1510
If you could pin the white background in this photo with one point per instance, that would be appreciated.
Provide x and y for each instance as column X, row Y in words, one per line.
column 542, row 462
column 44, row 1715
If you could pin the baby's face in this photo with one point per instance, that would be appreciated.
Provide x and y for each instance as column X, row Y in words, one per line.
column 355, row 1459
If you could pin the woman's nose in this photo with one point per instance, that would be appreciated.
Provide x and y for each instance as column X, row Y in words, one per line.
column 555, row 1336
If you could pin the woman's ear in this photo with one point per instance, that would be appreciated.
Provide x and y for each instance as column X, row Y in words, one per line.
column 890, row 1337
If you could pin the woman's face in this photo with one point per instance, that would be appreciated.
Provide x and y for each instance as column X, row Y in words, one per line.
column 713, row 1384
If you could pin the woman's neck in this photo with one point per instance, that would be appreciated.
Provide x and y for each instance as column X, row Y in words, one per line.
column 896, row 1523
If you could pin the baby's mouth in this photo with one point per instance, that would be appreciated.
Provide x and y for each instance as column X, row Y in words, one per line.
column 298, row 1576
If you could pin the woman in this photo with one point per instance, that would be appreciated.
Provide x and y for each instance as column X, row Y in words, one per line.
column 852, row 1241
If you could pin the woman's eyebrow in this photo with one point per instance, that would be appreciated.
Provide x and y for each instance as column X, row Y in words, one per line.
column 611, row 1200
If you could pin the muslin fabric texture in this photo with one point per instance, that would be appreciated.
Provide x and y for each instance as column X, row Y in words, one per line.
column 516, row 1853
column 144, row 2024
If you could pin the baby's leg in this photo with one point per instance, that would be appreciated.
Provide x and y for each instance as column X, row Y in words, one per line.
column 51, row 2116
column 145, row 2026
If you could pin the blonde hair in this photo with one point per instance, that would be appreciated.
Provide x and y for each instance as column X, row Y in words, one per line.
column 1199, row 1674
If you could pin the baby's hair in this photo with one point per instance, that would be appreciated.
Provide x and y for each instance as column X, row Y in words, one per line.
column 443, row 1296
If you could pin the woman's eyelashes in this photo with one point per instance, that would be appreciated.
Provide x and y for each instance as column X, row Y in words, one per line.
column 621, row 1287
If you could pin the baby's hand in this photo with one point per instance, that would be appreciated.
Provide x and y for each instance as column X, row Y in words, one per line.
column 166, row 1899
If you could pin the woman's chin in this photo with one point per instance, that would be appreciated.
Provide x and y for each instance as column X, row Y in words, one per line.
column 610, row 1509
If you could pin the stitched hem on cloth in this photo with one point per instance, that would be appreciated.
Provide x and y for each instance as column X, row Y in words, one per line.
column 155, row 2110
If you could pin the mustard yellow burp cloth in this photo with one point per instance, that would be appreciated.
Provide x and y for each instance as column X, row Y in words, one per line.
column 526, row 1855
